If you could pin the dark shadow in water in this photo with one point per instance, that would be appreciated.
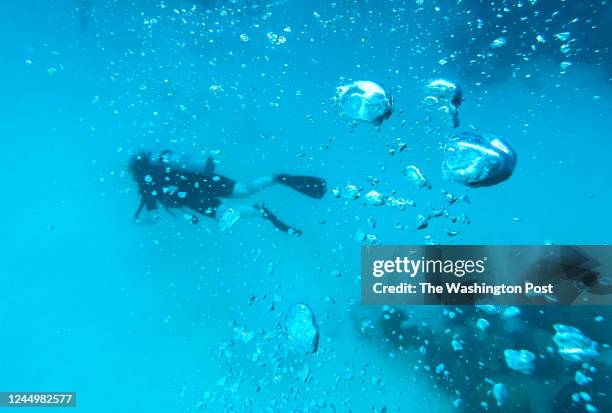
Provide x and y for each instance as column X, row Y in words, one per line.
column 590, row 38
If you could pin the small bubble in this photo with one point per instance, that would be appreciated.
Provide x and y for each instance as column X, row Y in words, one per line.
column 499, row 42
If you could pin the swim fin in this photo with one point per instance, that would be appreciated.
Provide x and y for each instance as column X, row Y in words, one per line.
column 265, row 213
column 308, row 185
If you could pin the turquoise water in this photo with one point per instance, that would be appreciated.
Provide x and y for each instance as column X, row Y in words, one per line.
column 165, row 316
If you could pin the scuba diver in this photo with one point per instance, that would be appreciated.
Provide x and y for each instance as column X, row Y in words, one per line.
column 175, row 184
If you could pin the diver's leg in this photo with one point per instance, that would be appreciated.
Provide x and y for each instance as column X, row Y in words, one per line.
column 266, row 214
column 308, row 185
column 246, row 189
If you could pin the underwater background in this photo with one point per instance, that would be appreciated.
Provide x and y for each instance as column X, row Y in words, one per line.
column 166, row 316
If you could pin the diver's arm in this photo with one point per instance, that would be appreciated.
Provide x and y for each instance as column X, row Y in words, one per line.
column 140, row 207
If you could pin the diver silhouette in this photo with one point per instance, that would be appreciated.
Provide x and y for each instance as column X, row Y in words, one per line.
column 173, row 184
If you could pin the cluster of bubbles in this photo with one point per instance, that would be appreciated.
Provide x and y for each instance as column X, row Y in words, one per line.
column 470, row 158
column 556, row 359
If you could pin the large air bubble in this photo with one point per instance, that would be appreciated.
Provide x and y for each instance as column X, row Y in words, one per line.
column 572, row 345
column 302, row 329
column 478, row 160
column 366, row 101
column 522, row 361
column 444, row 98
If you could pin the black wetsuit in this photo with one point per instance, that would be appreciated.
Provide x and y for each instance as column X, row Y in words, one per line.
column 195, row 191
column 161, row 182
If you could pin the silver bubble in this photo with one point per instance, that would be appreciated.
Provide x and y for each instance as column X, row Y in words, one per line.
column 302, row 329
column 478, row 160
column 366, row 101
